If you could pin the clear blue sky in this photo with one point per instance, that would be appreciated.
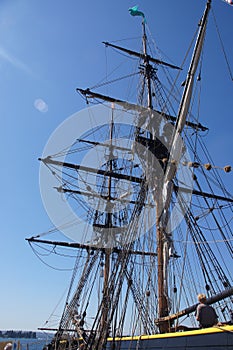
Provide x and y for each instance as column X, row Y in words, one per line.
column 47, row 49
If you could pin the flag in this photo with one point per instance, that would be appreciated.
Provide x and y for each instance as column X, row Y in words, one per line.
column 134, row 12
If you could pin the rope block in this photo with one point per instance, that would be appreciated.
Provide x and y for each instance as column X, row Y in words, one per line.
column 193, row 164
column 227, row 168
column 208, row 166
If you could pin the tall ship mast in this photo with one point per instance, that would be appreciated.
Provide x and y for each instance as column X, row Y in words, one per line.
column 147, row 213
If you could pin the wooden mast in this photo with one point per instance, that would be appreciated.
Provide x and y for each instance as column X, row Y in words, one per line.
column 163, row 212
column 162, row 299
column 109, row 225
column 162, row 292
column 148, row 67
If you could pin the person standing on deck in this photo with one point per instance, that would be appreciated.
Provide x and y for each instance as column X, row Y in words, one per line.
column 205, row 314
column 8, row 346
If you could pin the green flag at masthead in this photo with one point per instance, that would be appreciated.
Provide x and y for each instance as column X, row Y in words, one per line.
column 134, row 12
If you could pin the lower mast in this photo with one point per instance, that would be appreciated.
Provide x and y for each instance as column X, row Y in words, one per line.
column 162, row 292
column 107, row 252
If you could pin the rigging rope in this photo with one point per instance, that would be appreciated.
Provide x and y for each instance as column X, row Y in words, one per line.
column 222, row 46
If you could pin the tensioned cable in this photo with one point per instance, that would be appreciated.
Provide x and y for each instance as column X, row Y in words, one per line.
column 222, row 45
column 114, row 80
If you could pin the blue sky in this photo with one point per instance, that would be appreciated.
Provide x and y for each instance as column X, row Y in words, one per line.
column 47, row 49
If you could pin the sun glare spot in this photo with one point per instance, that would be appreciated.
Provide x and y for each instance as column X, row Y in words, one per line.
column 41, row 105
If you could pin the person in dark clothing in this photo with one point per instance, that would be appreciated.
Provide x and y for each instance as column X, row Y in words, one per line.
column 205, row 314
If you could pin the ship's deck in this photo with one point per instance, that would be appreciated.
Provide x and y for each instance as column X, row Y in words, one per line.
column 210, row 330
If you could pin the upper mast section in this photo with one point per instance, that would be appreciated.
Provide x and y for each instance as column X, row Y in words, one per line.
column 147, row 66
column 187, row 94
